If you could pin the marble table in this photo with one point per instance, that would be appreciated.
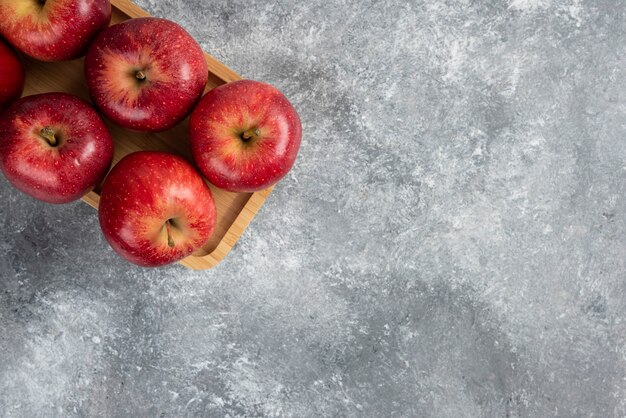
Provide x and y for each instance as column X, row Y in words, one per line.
column 450, row 243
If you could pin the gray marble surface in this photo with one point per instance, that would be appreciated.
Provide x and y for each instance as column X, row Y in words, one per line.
column 450, row 243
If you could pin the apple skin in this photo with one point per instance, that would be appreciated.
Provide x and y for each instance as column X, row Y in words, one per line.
column 58, row 173
column 146, row 74
column 245, row 136
column 53, row 30
column 12, row 76
column 145, row 191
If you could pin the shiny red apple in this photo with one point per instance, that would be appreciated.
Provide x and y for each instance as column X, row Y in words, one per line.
column 54, row 147
column 156, row 209
column 53, row 30
column 245, row 136
column 145, row 74
column 11, row 76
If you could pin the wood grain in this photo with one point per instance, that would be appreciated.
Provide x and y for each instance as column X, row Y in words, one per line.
column 235, row 211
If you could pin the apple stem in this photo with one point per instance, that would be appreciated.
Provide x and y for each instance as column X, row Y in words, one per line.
column 140, row 75
column 48, row 134
column 168, row 228
column 250, row 134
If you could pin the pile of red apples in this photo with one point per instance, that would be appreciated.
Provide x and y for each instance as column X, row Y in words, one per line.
column 145, row 75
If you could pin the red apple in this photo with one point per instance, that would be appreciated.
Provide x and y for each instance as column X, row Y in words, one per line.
column 156, row 209
column 53, row 30
column 145, row 74
column 11, row 76
column 245, row 136
column 54, row 147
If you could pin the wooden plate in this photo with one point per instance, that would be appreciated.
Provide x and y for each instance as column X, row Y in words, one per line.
column 234, row 210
